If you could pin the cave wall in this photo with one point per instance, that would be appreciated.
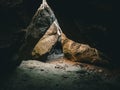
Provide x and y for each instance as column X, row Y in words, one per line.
column 82, row 21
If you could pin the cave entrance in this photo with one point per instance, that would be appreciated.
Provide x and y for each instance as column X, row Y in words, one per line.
column 45, row 40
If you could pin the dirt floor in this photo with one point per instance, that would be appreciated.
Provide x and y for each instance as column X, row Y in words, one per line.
column 60, row 74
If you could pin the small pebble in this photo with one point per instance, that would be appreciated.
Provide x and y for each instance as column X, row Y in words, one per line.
column 100, row 70
column 41, row 69
column 59, row 67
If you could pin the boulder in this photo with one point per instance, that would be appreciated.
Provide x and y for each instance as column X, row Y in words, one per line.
column 82, row 52
column 47, row 42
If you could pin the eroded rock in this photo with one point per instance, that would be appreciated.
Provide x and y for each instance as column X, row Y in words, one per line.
column 40, row 23
column 81, row 52
column 47, row 42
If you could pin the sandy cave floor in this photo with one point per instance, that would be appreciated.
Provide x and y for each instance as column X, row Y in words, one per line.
column 60, row 74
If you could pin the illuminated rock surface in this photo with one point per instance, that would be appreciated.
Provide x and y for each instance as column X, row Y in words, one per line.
column 82, row 52
column 46, row 43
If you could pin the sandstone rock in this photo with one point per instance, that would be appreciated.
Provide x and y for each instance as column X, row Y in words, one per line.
column 47, row 42
column 81, row 52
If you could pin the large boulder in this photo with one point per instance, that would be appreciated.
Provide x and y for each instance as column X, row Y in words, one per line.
column 47, row 42
column 82, row 52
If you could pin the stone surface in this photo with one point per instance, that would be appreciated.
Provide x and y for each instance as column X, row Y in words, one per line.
column 40, row 23
column 82, row 52
column 46, row 43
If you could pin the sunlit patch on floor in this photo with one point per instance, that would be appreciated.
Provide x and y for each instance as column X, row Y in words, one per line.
column 60, row 74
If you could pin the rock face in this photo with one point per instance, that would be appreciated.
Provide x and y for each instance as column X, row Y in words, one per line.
column 81, row 52
column 47, row 42
column 40, row 23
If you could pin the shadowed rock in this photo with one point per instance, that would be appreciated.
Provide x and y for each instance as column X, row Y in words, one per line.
column 40, row 23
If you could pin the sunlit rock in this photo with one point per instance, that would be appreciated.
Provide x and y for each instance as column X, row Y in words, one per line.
column 47, row 42
column 81, row 52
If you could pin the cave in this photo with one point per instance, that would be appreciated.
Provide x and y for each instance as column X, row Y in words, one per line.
column 87, row 22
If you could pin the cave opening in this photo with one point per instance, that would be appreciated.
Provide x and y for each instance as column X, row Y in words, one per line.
column 85, row 21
